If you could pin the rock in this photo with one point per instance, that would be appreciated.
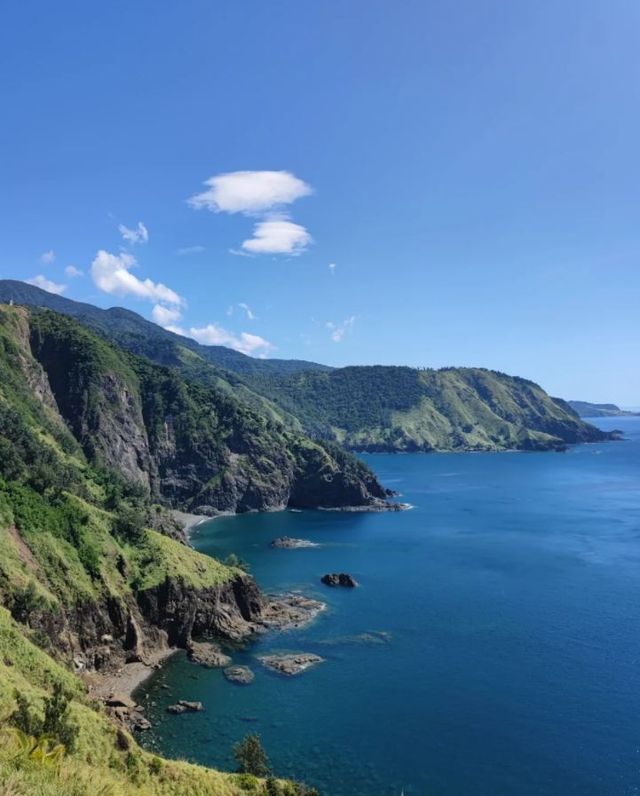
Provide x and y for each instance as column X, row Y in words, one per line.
column 290, row 664
column 207, row 654
column 184, row 706
column 79, row 664
column 123, row 741
column 106, row 638
column 239, row 674
column 139, row 722
column 289, row 610
column 289, row 543
column 339, row 579
column 193, row 707
column 120, row 701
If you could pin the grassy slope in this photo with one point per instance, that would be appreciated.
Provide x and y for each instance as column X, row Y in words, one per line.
column 399, row 408
column 99, row 766
column 46, row 528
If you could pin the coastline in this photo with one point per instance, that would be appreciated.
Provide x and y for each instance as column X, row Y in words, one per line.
column 126, row 681
column 190, row 521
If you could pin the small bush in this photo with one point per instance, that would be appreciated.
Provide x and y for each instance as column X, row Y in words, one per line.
column 251, row 757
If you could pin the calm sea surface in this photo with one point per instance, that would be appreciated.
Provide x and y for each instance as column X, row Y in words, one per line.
column 492, row 648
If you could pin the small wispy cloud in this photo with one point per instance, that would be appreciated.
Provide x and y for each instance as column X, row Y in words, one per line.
column 338, row 330
column 213, row 334
column 277, row 236
column 332, row 268
column 48, row 257
column 186, row 251
column 244, row 308
column 139, row 234
column 111, row 273
column 72, row 272
column 250, row 192
column 46, row 284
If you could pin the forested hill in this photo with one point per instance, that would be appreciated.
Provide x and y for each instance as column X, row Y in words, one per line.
column 406, row 409
column 586, row 409
column 95, row 445
column 374, row 408
column 141, row 336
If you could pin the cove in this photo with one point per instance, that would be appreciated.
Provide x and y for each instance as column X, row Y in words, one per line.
column 492, row 646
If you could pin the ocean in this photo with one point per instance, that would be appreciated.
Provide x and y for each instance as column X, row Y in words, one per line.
column 492, row 647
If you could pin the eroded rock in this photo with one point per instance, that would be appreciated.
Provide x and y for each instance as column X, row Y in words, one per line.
column 339, row 579
column 207, row 654
column 239, row 674
column 290, row 663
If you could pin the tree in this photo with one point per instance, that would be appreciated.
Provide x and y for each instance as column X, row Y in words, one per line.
column 57, row 721
column 129, row 524
column 251, row 757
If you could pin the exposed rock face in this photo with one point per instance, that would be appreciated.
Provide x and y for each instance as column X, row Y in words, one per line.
column 339, row 579
column 189, row 446
column 207, row 654
column 291, row 664
column 231, row 610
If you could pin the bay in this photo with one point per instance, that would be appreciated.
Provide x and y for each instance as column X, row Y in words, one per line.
column 492, row 647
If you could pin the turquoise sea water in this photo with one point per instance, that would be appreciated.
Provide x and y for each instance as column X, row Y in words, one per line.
column 511, row 596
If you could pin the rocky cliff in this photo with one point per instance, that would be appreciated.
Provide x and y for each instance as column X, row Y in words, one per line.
column 193, row 446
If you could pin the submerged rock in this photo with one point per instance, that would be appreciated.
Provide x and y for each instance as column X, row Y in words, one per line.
column 339, row 579
column 239, row 674
column 207, row 654
column 290, row 664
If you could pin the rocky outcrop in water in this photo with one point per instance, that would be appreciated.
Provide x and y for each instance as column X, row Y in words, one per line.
column 339, row 579
column 242, row 675
column 289, row 543
column 291, row 664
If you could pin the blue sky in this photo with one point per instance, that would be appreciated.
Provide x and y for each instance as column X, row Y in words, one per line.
column 469, row 169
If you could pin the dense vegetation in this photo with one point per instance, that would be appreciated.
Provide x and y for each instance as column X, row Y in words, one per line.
column 87, row 550
column 363, row 408
column 407, row 409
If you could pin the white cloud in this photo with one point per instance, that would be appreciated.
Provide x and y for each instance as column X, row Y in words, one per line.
column 277, row 236
column 111, row 273
column 139, row 234
column 332, row 268
column 48, row 257
column 47, row 284
column 212, row 334
column 250, row 192
column 338, row 330
column 72, row 272
column 187, row 250
column 165, row 316
column 246, row 309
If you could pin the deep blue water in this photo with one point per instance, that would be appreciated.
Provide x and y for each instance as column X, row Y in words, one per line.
column 511, row 593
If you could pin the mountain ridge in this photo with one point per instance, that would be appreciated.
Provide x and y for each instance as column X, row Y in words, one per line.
column 362, row 408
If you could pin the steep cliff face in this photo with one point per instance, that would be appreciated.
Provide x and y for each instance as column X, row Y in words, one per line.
column 195, row 447
column 95, row 586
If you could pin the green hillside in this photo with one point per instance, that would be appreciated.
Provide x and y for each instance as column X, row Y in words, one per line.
column 363, row 408
column 406, row 409
column 96, row 445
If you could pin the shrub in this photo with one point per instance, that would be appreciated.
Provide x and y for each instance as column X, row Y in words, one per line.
column 129, row 525
column 251, row 757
